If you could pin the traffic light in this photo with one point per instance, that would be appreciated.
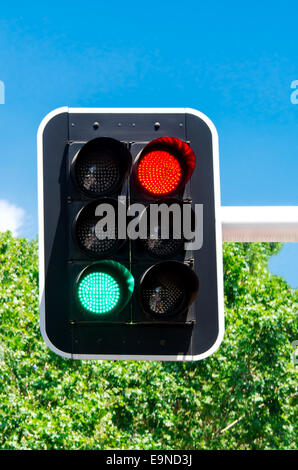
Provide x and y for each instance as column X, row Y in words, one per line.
column 130, row 234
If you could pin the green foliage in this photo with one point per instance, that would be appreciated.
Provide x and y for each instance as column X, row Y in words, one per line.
column 243, row 397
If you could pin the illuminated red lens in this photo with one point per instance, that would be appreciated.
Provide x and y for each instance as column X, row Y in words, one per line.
column 159, row 172
column 165, row 165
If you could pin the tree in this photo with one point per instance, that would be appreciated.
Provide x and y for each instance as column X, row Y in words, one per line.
column 243, row 397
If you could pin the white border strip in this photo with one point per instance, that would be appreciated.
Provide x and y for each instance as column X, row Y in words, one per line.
column 41, row 251
column 179, row 357
column 218, row 234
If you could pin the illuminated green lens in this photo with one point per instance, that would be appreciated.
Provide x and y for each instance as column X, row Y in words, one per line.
column 99, row 292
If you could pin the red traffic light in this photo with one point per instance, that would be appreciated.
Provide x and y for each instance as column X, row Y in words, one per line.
column 164, row 166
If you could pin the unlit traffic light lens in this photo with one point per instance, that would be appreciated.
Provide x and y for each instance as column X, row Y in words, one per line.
column 161, row 243
column 168, row 288
column 159, row 248
column 91, row 237
column 100, row 167
column 97, row 173
column 163, row 297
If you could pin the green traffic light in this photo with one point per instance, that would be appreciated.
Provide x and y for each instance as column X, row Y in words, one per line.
column 99, row 292
column 105, row 287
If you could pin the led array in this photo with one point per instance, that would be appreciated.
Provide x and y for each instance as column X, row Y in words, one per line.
column 163, row 248
column 97, row 173
column 162, row 297
column 95, row 242
column 159, row 172
column 98, row 292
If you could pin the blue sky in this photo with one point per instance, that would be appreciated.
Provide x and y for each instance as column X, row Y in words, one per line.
column 235, row 62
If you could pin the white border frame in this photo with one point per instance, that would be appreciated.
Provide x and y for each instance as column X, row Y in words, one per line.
column 218, row 232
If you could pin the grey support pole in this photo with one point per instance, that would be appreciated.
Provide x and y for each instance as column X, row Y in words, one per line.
column 259, row 223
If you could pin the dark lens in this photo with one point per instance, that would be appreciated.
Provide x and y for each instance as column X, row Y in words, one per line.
column 167, row 241
column 92, row 238
column 163, row 296
column 157, row 247
column 101, row 166
column 97, row 173
column 168, row 289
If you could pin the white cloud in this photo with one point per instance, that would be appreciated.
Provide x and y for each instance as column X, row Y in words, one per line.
column 11, row 217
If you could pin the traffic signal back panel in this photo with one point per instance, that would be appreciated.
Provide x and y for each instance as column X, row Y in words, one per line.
column 111, row 298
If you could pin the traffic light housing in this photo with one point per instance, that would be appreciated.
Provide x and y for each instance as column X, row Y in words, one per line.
column 119, row 278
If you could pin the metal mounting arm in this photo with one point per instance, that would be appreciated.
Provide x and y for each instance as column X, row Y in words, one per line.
column 259, row 223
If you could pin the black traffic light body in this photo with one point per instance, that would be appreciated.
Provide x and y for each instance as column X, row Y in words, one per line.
column 173, row 303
